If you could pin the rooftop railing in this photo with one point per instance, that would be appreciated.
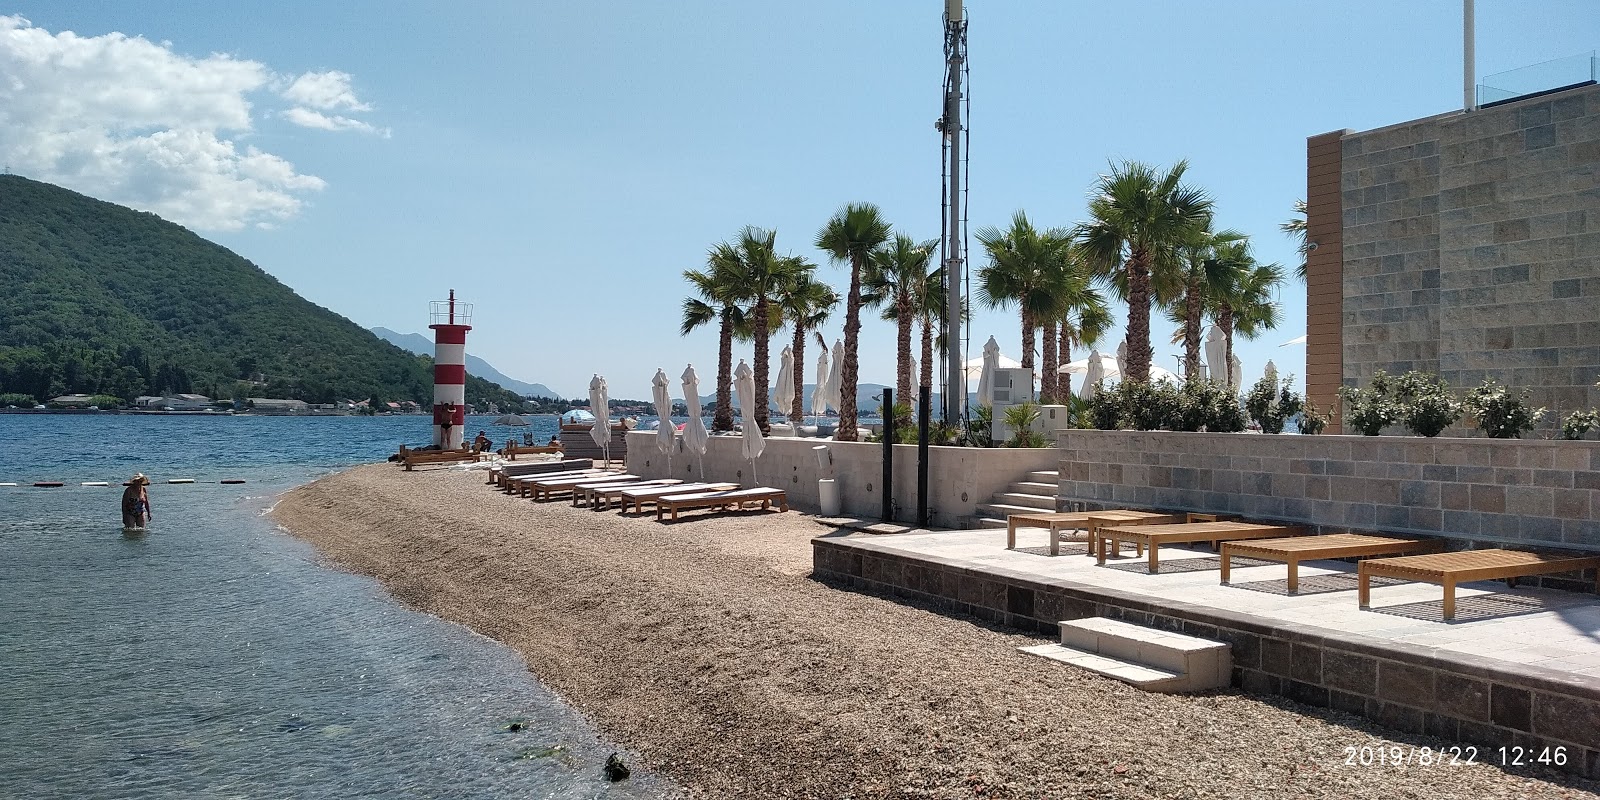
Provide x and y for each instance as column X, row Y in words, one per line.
column 1537, row 79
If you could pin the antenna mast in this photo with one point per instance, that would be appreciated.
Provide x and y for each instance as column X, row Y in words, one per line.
column 953, row 243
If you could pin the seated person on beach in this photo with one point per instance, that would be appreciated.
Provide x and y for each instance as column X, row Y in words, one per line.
column 482, row 443
column 554, row 440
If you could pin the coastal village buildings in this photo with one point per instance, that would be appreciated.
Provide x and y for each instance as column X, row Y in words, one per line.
column 1465, row 244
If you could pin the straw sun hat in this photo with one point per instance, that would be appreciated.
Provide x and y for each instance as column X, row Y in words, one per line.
column 137, row 479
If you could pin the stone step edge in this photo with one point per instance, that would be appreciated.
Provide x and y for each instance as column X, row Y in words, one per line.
column 1149, row 646
column 1002, row 510
column 1128, row 672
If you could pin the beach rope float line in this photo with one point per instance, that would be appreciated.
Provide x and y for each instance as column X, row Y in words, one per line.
column 59, row 484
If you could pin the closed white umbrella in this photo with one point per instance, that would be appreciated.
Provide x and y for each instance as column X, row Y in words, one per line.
column 599, row 405
column 1108, row 366
column 666, row 432
column 694, row 431
column 1094, row 373
column 1216, row 346
column 783, row 393
column 819, row 393
column 1237, row 374
column 991, row 362
column 974, row 367
column 1271, row 373
column 744, row 385
column 834, row 381
column 1122, row 357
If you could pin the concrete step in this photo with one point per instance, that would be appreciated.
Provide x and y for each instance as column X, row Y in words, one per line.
column 1198, row 663
column 1034, row 487
column 989, row 522
column 1147, row 678
column 1050, row 476
column 1037, row 502
column 1002, row 510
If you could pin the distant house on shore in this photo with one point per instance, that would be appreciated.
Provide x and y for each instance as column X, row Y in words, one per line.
column 272, row 405
column 173, row 402
column 71, row 401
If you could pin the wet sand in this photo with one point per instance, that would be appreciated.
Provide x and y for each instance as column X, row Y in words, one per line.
column 706, row 647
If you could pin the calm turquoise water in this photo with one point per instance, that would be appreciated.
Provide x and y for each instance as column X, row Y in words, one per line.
column 213, row 657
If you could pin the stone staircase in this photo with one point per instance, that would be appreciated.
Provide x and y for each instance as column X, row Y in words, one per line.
column 1035, row 492
column 1153, row 660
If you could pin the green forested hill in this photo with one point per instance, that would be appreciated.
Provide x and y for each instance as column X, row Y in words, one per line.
column 102, row 299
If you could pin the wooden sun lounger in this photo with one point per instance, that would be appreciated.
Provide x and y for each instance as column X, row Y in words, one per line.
column 545, row 491
column 502, row 474
column 1296, row 549
column 1153, row 536
column 640, row 496
column 522, row 485
column 1080, row 520
column 733, row 498
column 587, row 494
column 1450, row 569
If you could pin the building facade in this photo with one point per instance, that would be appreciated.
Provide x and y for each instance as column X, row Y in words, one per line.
column 1466, row 245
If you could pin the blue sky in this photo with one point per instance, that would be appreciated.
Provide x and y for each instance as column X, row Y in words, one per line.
column 560, row 164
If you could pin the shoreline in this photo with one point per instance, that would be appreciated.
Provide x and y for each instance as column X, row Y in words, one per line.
column 707, row 648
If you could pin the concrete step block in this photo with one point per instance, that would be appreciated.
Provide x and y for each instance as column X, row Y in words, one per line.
column 1002, row 510
column 1034, row 487
column 1037, row 502
column 1203, row 662
column 1144, row 677
column 1050, row 476
column 989, row 522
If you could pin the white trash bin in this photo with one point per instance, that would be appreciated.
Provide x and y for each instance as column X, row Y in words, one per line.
column 828, row 494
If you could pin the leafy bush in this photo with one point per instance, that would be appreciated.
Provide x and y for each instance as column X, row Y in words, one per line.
column 1371, row 409
column 105, row 401
column 980, row 429
column 1020, row 418
column 1271, row 404
column 1426, row 405
column 1501, row 414
column 1579, row 423
column 1105, row 409
column 1313, row 420
column 17, row 399
column 1148, row 406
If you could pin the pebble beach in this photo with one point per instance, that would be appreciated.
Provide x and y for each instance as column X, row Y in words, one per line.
column 706, row 648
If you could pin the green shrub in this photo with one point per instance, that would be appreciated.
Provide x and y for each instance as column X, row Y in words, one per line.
column 1105, row 409
column 105, row 401
column 1021, row 418
column 1579, row 423
column 1313, row 420
column 1425, row 403
column 1148, row 406
column 17, row 399
column 1271, row 405
column 1501, row 414
column 1372, row 409
column 980, row 429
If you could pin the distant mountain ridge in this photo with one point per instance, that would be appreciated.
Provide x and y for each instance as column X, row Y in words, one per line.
column 423, row 346
column 103, row 299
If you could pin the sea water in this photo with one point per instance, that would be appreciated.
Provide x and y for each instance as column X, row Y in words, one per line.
column 213, row 655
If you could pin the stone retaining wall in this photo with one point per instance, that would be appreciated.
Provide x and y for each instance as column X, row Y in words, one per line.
column 1439, row 696
column 1515, row 491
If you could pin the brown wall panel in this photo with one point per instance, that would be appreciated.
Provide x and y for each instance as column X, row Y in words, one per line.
column 1324, row 271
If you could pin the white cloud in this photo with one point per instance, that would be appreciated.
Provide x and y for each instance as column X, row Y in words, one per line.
column 306, row 118
column 129, row 120
column 325, row 90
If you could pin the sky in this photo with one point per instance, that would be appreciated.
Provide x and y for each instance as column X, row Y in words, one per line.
column 560, row 164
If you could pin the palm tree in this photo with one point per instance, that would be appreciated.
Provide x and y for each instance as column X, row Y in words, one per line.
column 1137, row 217
column 1184, row 291
column 721, row 288
column 1299, row 231
column 1082, row 327
column 1241, row 302
column 805, row 304
column 1028, row 267
column 896, row 277
column 765, row 274
column 851, row 236
column 929, row 310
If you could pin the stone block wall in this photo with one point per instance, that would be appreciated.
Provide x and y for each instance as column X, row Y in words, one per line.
column 1523, row 492
column 1471, row 248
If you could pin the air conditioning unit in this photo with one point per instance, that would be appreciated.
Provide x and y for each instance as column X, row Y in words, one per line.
column 1052, row 419
column 1012, row 386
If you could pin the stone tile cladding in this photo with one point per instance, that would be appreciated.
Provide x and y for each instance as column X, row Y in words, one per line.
column 1471, row 248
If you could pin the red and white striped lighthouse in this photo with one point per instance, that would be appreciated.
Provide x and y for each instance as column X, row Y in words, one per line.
column 449, row 369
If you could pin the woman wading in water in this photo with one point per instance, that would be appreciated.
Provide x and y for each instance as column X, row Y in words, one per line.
column 136, row 503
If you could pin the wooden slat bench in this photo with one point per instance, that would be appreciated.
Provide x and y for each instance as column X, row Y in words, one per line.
column 639, row 497
column 511, row 451
column 522, row 485
column 733, row 498
column 1450, row 569
column 588, row 493
column 413, row 458
column 1059, row 521
column 501, row 474
column 1296, row 549
column 1152, row 537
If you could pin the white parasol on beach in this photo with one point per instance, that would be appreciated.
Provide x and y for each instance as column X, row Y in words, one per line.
column 599, row 405
column 1271, row 373
column 1236, row 375
column 665, row 432
column 694, row 431
column 1108, row 365
column 783, row 393
column 819, row 393
column 835, row 382
column 1122, row 357
column 744, row 385
column 990, row 362
column 1216, row 346
column 973, row 367
column 1094, row 373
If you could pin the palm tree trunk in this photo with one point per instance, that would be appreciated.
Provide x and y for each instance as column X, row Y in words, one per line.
column 1191, row 331
column 760, row 414
column 1225, row 322
column 926, row 379
column 1064, row 353
column 1047, row 371
column 797, row 412
column 1137, row 366
column 849, row 373
column 902, row 388
column 722, row 419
